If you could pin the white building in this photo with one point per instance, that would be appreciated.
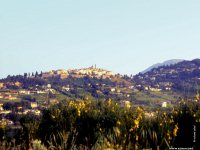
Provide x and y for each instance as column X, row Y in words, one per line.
column 164, row 104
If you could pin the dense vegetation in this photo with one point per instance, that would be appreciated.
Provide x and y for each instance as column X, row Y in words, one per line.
column 106, row 124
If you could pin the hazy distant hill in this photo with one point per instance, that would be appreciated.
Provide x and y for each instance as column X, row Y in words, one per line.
column 165, row 63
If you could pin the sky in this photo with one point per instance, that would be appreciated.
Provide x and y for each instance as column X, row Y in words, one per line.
column 125, row 36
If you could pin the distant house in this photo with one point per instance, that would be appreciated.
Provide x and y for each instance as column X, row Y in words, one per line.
column 33, row 105
column 138, row 85
column 48, row 85
column 18, row 84
column 1, row 96
column 118, row 91
column 146, row 88
column 61, row 71
column 155, row 89
column 19, row 107
column 5, row 112
column 10, row 97
column 1, row 85
column 164, row 104
column 65, row 88
column 63, row 76
column 41, row 92
column 168, row 88
column 112, row 89
column 1, row 106
column 6, row 122
column 131, row 87
column 26, row 92
column 37, row 112
column 26, row 111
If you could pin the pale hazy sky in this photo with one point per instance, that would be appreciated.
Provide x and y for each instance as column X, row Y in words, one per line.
column 125, row 36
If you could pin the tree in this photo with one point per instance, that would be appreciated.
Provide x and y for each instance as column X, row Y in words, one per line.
column 25, row 75
column 36, row 74
column 30, row 124
column 8, row 106
column 40, row 75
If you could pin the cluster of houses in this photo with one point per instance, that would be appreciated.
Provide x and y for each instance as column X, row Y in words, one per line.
column 33, row 108
column 20, row 110
column 157, row 88
column 78, row 73
column 16, row 95
column 7, row 94
column 147, row 84
column 3, row 85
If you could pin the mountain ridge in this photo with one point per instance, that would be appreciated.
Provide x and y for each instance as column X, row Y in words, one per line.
column 165, row 63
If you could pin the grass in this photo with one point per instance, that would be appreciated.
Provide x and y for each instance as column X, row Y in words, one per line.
column 155, row 96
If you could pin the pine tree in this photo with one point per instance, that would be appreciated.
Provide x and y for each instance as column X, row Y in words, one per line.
column 25, row 75
column 36, row 74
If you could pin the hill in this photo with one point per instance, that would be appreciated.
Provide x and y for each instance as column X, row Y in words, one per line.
column 165, row 63
column 165, row 83
column 91, row 82
column 183, row 76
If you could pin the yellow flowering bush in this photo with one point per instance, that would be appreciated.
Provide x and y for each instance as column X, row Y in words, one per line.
column 107, row 124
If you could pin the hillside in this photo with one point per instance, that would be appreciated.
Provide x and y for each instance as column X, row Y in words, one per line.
column 183, row 76
column 91, row 82
column 165, row 83
column 62, row 77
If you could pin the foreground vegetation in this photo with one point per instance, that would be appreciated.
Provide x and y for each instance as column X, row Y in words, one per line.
column 106, row 125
